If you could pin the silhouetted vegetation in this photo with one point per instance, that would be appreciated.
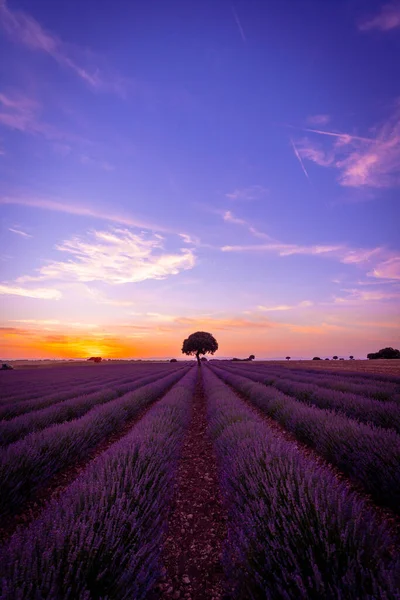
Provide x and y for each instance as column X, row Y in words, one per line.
column 335, row 357
column 95, row 359
column 173, row 360
column 316, row 358
column 288, row 358
column 199, row 343
column 384, row 353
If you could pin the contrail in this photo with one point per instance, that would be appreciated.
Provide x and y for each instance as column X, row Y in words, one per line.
column 342, row 136
column 299, row 159
column 238, row 23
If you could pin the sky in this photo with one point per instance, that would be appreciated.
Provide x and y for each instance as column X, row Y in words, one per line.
column 168, row 167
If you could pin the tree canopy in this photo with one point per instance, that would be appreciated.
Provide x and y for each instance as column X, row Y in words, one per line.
column 199, row 343
column 385, row 353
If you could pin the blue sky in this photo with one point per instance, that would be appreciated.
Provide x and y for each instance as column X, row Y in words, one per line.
column 168, row 167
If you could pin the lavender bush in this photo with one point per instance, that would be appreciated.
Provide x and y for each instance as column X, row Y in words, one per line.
column 366, row 410
column 369, row 455
column 294, row 530
column 102, row 538
column 382, row 391
column 28, row 464
column 73, row 408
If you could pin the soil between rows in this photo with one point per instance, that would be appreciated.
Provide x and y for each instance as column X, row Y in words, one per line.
column 197, row 524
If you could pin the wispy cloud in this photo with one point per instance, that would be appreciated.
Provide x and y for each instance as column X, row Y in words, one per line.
column 361, row 161
column 41, row 293
column 229, row 217
column 93, row 162
column 253, row 192
column 115, row 257
column 239, row 24
column 23, row 114
column 318, row 119
column 55, row 322
column 19, row 232
column 384, row 263
column 280, row 307
column 22, row 28
column 356, row 296
column 297, row 155
column 387, row 19
column 388, row 269
column 81, row 210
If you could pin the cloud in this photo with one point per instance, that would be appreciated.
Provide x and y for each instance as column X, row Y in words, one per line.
column 385, row 264
column 303, row 304
column 389, row 269
column 387, row 19
column 372, row 161
column 312, row 152
column 285, row 249
column 254, row 192
column 25, row 30
column 80, row 210
column 229, row 217
column 224, row 323
column 355, row 296
column 318, row 119
column 54, row 322
column 19, row 232
column 92, row 162
column 42, row 293
column 23, row 114
column 115, row 257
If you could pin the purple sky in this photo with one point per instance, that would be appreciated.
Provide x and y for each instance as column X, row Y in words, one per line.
column 173, row 166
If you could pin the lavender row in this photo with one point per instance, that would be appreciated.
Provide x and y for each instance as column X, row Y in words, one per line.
column 10, row 411
column 369, row 455
column 379, row 377
column 56, row 380
column 294, row 530
column 102, row 538
column 365, row 410
column 73, row 408
column 28, row 464
column 376, row 390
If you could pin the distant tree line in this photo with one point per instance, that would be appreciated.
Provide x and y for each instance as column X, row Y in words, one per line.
column 384, row 353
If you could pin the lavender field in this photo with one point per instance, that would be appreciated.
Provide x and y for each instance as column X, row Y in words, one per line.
column 167, row 480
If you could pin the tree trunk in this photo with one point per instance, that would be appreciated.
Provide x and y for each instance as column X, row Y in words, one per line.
column 198, row 359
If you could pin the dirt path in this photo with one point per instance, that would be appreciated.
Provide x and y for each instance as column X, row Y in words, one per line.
column 197, row 523
column 57, row 484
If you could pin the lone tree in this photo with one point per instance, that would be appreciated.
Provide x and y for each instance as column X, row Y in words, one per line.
column 251, row 357
column 199, row 343
column 335, row 357
column 288, row 358
column 351, row 357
